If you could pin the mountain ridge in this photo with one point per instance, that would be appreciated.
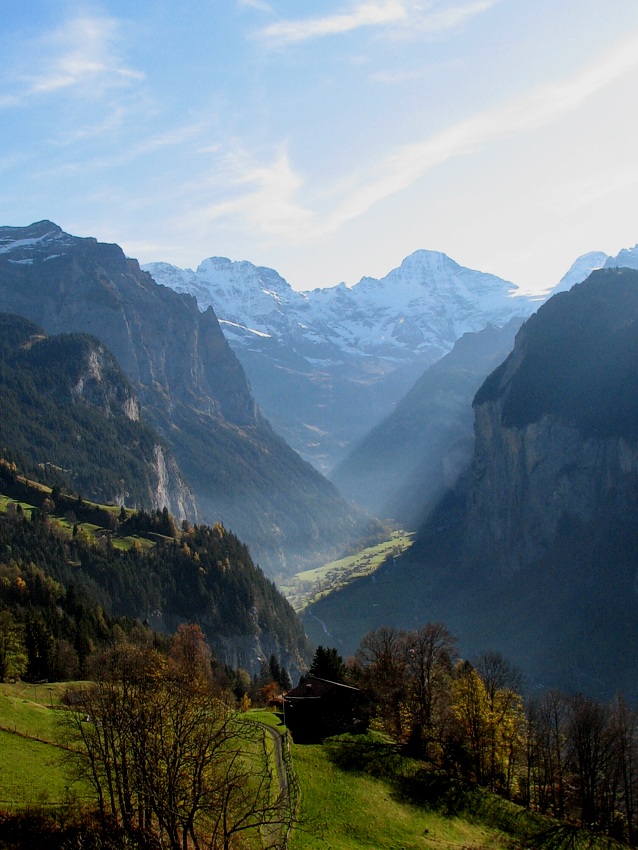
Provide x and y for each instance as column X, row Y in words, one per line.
column 192, row 389
column 346, row 354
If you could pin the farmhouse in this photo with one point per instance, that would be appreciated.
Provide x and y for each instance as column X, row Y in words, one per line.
column 317, row 708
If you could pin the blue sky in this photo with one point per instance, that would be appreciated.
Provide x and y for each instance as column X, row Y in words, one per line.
column 327, row 139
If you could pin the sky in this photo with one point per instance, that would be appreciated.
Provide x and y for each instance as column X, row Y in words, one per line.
column 327, row 139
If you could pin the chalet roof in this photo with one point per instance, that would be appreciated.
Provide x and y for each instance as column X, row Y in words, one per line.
column 315, row 688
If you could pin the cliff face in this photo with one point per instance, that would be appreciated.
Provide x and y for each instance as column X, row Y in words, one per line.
column 525, row 481
column 557, row 424
column 166, row 347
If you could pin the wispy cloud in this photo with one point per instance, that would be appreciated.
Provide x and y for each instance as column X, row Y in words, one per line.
column 81, row 56
column 407, row 17
column 361, row 15
column 530, row 112
column 270, row 204
column 437, row 21
column 270, row 197
column 260, row 5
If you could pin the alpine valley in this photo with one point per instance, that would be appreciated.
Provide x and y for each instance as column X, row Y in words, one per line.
column 503, row 430
column 346, row 355
column 533, row 552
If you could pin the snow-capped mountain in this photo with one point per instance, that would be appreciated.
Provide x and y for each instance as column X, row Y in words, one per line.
column 627, row 258
column 580, row 270
column 344, row 354
column 587, row 263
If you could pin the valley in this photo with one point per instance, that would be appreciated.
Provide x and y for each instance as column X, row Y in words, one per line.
column 511, row 460
column 307, row 587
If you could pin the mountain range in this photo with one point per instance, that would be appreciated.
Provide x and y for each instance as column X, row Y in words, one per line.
column 346, row 355
column 191, row 388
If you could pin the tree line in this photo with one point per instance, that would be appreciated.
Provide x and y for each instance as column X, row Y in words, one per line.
column 63, row 591
column 564, row 755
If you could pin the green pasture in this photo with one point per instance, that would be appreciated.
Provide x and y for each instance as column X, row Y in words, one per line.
column 308, row 586
column 348, row 811
column 88, row 528
column 32, row 769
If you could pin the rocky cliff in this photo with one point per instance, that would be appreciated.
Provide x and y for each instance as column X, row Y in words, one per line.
column 557, row 424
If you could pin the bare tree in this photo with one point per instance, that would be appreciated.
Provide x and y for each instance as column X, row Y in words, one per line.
column 430, row 658
column 167, row 758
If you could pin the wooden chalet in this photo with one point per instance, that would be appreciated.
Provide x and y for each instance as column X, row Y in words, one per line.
column 318, row 708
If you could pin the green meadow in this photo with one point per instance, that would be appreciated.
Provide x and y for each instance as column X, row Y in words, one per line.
column 308, row 586
column 32, row 769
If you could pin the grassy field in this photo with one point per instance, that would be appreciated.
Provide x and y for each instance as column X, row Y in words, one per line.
column 309, row 586
column 90, row 529
column 345, row 811
column 32, row 768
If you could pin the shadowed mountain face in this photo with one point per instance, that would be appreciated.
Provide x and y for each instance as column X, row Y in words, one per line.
column 67, row 405
column 405, row 464
column 534, row 554
column 191, row 387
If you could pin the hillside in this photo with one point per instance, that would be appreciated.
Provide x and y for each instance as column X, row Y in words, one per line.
column 67, row 408
column 71, row 565
column 535, row 553
column 405, row 464
column 192, row 390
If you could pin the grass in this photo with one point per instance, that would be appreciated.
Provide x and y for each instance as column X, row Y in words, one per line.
column 308, row 586
column 346, row 811
column 32, row 770
column 90, row 529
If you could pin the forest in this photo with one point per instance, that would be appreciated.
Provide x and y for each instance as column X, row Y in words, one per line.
column 64, row 589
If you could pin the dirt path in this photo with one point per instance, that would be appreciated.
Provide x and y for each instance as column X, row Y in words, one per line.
column 276, row 835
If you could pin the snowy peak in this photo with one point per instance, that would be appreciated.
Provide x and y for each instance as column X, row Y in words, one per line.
column 627, row 258
column 34, row 243
column 424, row 305
column 241, row 294
column 580, row 270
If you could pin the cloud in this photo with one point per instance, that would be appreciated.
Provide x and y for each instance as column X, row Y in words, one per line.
column 528, row 113
column 407, row 17
column 270, row 204
column 260, row 5
column 362, row 15
column 80, row 56
column 269, row 197
column 450, row 17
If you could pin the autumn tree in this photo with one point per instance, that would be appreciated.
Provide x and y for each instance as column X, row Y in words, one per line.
column 430, row 657
column 380, row 670
column 547, row 752
column 502, row 682
column 168, row 761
